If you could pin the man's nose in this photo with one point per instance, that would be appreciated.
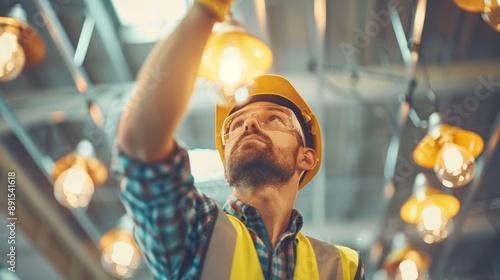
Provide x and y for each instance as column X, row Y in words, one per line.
column 252, row 123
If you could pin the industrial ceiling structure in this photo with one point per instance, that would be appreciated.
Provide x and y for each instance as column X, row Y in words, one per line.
column 351, row 60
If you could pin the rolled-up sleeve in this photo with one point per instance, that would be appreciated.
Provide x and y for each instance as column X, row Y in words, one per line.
column 172, row 219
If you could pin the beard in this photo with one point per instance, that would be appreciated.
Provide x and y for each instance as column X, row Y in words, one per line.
column 255, row 166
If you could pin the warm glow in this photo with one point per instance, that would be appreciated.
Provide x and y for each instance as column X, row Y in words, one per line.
column 12, row 57
column 434, row 227
column 453, row 159
column 233, row 58
column 122, row 270
column 473, row 6
column 241, row 95
column 408, row 270
column 455, row 166
column 122, row 253
column 231, row 65
column 74, row 188
column 432, row 217
column 75, row 181
column 149, row 12
column 8, row 45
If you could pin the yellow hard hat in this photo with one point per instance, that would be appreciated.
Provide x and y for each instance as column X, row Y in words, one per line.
column 277, row 89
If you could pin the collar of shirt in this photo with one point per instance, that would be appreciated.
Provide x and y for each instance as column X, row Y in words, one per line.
column 246, row 212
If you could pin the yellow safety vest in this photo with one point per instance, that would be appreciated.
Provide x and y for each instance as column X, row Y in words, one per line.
column 232, row 255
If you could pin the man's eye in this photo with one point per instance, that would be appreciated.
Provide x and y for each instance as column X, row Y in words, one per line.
column 274, row 118
column 235, row 126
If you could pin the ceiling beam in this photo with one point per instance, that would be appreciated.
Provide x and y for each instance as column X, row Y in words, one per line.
column 60, row 38
column 111, row 41
column 374, row 85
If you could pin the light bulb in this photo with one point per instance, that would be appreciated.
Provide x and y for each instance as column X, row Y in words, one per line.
column 432, row 218
column 74, row 188
column 455, row 166
column 120, row 257
column 408, row 270
column 12, row 57
column 122, row 253
column 433, row 226
column 231, row 65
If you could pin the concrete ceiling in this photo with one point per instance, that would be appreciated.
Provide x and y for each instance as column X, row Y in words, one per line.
column 356, row 94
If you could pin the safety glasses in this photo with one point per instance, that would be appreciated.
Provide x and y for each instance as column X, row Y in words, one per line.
column 270, row 117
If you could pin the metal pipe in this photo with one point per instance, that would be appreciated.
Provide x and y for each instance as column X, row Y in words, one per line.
column 261, row 15
column 319, row 190
column 84, row 41
column 110, row 38
column 80, row 77
column 400, row 34
column 62, row 42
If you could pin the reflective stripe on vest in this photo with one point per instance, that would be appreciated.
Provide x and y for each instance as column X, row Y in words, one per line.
column 232, row 255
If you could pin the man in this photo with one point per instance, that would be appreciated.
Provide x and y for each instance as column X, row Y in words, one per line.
column 271, row 148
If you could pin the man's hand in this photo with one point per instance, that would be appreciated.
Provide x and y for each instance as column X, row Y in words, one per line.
column 219, row 7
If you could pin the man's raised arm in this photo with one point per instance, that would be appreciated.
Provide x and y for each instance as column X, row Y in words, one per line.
column 165, row 85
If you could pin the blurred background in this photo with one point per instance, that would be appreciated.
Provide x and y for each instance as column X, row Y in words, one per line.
column 418, row 199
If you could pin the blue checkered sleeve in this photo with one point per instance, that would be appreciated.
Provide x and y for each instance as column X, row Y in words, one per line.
column 171, row 218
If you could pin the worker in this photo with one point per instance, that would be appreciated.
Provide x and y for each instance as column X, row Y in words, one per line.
column 271, row 148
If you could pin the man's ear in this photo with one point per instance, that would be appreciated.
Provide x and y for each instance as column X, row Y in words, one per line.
column 306, row 159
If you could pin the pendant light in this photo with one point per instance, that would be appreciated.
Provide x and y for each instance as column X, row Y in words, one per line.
column 20, row 44
column 120, row 255
column 233, row 57
column 407, row 263
column 450, row 151
column 76, row 175
column 430, row 210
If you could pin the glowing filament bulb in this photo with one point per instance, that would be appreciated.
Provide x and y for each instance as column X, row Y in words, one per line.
column 74, row 188
column 122, row 253
column 231, row 65
column 432, row 218
column 455, row 166
column 12, row 57
column 408, row 270
column 453, row 159
column 74, row 181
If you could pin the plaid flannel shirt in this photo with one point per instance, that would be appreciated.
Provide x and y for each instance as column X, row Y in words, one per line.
column 172, row 220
